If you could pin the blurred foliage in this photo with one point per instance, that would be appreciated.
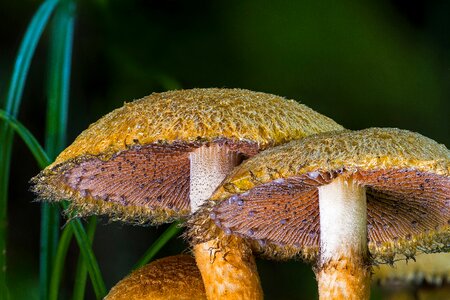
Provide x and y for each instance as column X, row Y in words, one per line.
column 363, row 63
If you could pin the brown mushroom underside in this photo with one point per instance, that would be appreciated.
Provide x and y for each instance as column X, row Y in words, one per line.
column 400, row 215
column 142, row 184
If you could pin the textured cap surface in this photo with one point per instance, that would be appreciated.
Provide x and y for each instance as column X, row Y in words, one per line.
column 199, row 114
column 273, row 197
column 133, row 164
column 171, row 278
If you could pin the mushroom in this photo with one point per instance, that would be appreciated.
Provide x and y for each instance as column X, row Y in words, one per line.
column 427, row 277
column 343, row 199
column 170, row 278
column 158, row 158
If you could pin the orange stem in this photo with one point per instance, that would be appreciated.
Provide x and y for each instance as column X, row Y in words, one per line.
column 228, row 269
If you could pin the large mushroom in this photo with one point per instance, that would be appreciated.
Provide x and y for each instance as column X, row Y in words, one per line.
column 170, row 278
column 425, row 277
column 158, row 158
column 343, row 199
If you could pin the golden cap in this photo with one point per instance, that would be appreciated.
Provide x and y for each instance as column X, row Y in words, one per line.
column 133, row 164
column 272, row 198
column 170, row 278
column 199, row 114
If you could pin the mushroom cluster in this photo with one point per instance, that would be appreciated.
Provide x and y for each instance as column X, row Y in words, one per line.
column 256, row 173
column 159, row 158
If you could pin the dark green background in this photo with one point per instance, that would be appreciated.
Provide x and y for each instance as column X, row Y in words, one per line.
column 362, row 63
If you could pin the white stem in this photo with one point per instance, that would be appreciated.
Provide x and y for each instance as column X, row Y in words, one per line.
column 343, row 219
column 209, row 167
column 342, row 271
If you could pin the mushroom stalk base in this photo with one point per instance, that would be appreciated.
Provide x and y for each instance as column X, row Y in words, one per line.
column 228, row 269
column 342, row 271
column 209, row 167
column 344, row 278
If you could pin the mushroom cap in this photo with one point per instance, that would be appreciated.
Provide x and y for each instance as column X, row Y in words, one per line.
column 272, row 198
column 194, row 115
column 432, row 269
column 133, row 164
column 169, row 278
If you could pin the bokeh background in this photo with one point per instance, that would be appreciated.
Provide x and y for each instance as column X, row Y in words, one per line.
column 362, row 63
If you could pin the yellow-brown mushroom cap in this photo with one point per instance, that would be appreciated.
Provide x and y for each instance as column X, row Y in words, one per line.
column 272, row 198
column 133, row 164
column 196, row 115
column 432, row 269
column 170, row 278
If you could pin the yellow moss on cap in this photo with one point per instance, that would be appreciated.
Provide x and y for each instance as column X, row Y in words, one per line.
column 171, row 278
column 433, row 269
column 364, row 150
column 199, row 114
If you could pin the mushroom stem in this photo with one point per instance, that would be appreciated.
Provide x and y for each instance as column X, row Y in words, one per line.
column 226, row 263
column 209, row 167
column 342, row 271
column 228, row 269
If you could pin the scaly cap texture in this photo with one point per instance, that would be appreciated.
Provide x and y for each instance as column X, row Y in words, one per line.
column 171, row 278
column 273, row 197
column 199, row 114
column 133, row 164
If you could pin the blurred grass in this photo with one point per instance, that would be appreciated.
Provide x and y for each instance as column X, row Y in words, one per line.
column 58, row 263
column 77, row 227
column 82, row 269
column 59, row 69
column 53, row 251
column 12, row 104
column 157, row 245
column 58, row 91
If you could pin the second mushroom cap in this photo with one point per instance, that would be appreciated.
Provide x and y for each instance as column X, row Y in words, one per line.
column 272, row 199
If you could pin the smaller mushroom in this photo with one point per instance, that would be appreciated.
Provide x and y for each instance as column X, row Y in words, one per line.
column 343, row 200
column 427, row 277
column 170, row 278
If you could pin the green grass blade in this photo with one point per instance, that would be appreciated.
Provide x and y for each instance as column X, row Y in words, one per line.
column 88, row 256
column 82, row 239
column 58, row 264
column 166, row 236
column 33, row 145
column 61, row 37
column 26, row 52
column 61, row 41
column 81, row 272
column 12, row 104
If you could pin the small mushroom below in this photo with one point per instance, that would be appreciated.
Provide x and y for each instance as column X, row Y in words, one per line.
column 170, row 278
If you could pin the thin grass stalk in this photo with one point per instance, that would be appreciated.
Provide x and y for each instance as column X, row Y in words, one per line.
column 61, row 40
column 58, row 264
column 81, row 236
column 33, row 145
column 162, row 240
column 12, row 104
column 81, row 272
column 88, row 256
